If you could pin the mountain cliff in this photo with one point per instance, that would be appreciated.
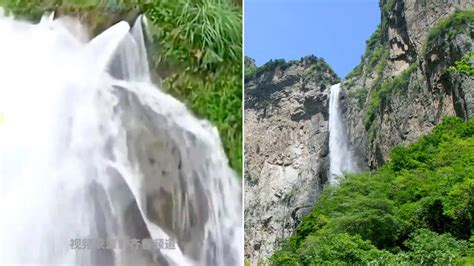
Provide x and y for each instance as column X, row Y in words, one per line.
column 402, row 88
column 286, row 136
column 400, row 91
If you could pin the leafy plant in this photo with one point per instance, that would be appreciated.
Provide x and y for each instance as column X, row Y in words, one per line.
column 202, row 42
column 429, row 248
column 416, row 209
column 463, row 66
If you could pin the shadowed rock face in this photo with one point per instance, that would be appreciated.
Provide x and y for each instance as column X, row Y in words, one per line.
column 431, row 92
column 178, row 173
column 179, row 207
column 286, row 136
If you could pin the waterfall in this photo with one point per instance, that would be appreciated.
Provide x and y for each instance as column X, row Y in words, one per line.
column 91, row 152
column 340, row 155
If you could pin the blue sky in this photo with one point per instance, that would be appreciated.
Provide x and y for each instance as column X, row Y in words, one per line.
column 333, row 29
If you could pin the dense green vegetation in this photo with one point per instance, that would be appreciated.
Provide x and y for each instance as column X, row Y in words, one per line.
column 376, row 57
column 271, row 65
column 250, row 69
column 202, row 40
column 418, row 209
column 460, row 21
column 317, row 69
column 198, row 51
column 387, row 6
column 463, row 66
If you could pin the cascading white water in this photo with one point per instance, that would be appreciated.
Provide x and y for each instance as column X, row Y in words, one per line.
column 340, row 155
column 91, row 149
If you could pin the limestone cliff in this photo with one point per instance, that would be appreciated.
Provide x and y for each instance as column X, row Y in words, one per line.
column 286, row 147
column 399, row 92
column 402, row 88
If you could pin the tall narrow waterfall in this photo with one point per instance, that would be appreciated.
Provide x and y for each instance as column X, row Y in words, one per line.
column 340, row 155
column 92, row 152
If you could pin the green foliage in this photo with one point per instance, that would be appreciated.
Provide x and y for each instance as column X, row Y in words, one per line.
column 202, row 41
column 382, row 93
column 336, row 248
column 31, row 9
column 374, row 39
column 270, row 66
column 463, row 66
column 360, row 96
column 375, row 55
column 204, row 34
column 356, row 72
column 248, row 61
column 250, row 70
column 417, row 209
column 319, row 69
column 460, row 21
column 429, row 248
column 389, row 4
column 250, row 73
column 459, row 204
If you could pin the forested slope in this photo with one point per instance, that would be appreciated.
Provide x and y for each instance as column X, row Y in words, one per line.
column 416, row 209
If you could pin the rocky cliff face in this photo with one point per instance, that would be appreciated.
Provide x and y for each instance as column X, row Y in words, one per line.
column 399, row 92
column 286, row 136
column 402, row 88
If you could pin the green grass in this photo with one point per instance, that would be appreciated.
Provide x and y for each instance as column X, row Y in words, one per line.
column 202, row 40
column 198, row 42
column 416, row 209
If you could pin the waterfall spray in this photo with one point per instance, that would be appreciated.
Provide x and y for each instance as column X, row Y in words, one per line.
column 90, row 149
column 340, row 155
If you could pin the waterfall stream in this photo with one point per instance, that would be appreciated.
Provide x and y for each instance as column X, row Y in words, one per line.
column 91, row 152
column 340, row 155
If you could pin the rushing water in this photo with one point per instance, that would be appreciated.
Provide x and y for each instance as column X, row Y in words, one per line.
column 340, row 155
column 92, row 151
